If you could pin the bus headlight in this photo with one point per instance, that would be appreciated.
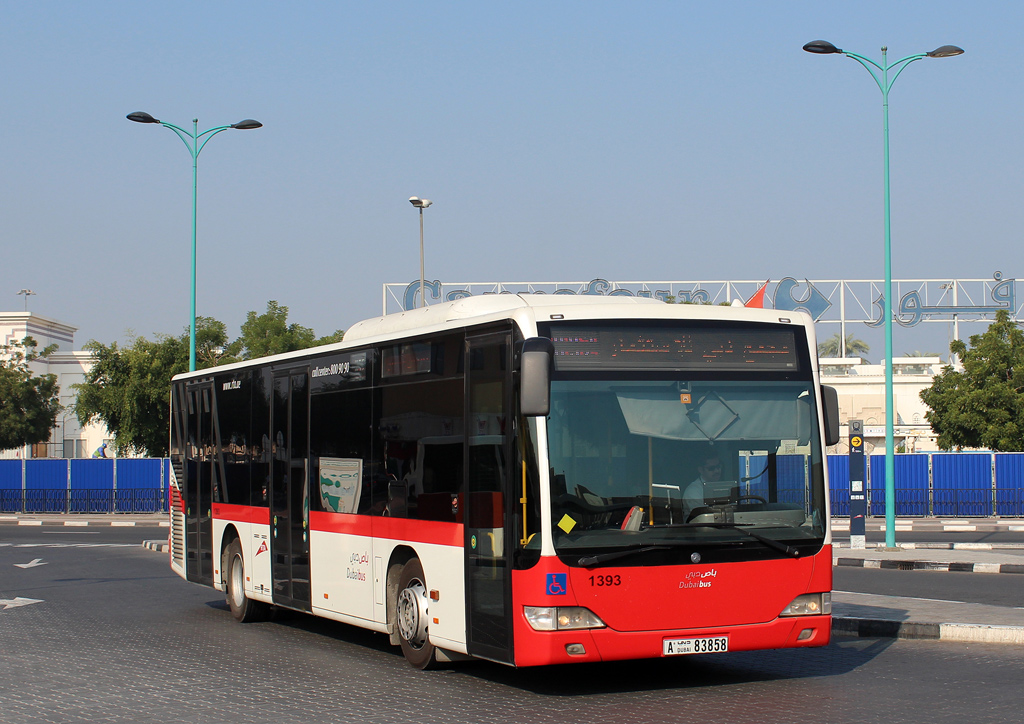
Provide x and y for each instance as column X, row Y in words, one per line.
column 561, row 618
column 809, row 604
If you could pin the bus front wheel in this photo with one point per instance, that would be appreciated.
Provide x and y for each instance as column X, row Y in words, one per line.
column 244, row 609
column 411, row 608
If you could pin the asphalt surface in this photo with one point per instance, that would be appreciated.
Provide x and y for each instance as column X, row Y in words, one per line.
column 853, row 613
column 109, row 634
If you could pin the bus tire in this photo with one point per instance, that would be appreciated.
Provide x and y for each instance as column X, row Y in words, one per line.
column 411, row 607
column 244, row 609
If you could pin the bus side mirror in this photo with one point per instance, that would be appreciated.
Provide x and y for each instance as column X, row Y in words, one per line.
column 830, row 408
column 535, row 377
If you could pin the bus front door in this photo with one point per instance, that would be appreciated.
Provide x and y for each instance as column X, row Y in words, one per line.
column 488, row 574
column 289, row 491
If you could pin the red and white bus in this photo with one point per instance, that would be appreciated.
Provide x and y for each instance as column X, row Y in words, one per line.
column 527, row 479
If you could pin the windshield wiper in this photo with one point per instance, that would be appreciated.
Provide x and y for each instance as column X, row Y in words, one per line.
column 588, row 561
column 771, row 543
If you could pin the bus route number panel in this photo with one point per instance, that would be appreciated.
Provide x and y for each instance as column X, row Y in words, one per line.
column 702, row 645
column 694, row 348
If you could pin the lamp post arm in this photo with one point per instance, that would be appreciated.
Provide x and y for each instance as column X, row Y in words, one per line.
column 213, row 132
column 186, row 138
column 884, row 82
column 905, row 61
column 868, row 63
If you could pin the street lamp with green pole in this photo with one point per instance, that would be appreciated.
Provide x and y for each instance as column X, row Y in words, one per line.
column 885, row 74
column 421, row 204
column 195, row 142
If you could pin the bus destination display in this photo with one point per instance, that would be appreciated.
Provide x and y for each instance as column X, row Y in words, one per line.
column 638, row 348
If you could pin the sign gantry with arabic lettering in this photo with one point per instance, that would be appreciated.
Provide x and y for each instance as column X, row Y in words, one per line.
column 827, row 301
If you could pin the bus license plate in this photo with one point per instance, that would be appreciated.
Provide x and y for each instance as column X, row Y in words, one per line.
column 705, row 645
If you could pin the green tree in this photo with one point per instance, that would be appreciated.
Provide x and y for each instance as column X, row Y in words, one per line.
column 983, row 405
column 269, row 333
column 129, row 388
column 832, row 346
column 212, row 346
column 29, row 404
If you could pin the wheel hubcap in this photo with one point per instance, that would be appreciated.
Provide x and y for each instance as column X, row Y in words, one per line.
column 412, row 614
column 237, row 586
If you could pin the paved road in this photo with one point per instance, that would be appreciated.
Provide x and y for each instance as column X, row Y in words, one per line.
column 941, row 585
column 118, row 638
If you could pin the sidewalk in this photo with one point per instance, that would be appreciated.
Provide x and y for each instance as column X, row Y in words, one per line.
column 86, row 519
column 870, row 615
column 945, row 525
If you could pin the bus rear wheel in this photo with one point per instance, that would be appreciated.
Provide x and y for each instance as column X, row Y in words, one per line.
column 411, row 607
column 244, row 609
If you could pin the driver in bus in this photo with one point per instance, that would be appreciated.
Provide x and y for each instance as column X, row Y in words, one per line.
column 709, row 471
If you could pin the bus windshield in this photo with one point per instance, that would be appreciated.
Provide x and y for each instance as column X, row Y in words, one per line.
column 702, row 465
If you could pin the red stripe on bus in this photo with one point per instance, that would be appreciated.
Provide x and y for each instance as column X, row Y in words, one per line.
column 404, row 529
column 242, row 513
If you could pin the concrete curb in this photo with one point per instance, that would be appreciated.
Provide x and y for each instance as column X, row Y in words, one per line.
column 936, row 527
column 14, row 520
column 951, row 566
column 964, row 632
column 941, row 546
column 160, row 546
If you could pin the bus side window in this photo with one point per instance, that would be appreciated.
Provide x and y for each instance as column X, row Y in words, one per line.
column 340, row 428
column 421, row 425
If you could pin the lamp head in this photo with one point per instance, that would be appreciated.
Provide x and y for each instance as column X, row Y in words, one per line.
column 141, row 117
column 247, row 124
column 946, row 51
column 821, row 47
column 420, row 203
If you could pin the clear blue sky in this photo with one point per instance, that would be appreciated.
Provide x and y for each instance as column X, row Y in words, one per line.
column 558, row 140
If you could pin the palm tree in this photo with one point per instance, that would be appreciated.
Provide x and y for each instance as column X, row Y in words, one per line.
column 832, row 346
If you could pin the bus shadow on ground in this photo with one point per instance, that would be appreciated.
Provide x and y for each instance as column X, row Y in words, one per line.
column 699, row 671
column 843, row 655
column 325, row 627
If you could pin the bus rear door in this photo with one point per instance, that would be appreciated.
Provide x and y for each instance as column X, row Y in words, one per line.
column 289, row 490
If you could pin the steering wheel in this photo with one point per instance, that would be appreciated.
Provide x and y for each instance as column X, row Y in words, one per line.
column 758, row 498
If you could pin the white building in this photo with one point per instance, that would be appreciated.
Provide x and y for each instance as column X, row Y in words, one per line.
column 861, row 389
column 68, row 439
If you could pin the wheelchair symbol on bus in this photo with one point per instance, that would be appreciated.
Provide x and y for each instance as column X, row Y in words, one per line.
column 556, row 584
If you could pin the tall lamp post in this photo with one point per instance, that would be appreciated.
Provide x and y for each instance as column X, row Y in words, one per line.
column 882, row 76
column 25, row 293
column 421, row 204
column 195, row 142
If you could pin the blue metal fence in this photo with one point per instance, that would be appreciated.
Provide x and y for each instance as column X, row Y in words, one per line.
column 937, row 484
column 125, row 485
column 927, row 484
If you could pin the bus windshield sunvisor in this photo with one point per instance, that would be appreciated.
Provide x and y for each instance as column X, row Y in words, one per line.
column 727, row 414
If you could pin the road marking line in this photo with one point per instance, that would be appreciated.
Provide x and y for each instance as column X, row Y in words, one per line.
column 18, row 601
column 31, row 564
